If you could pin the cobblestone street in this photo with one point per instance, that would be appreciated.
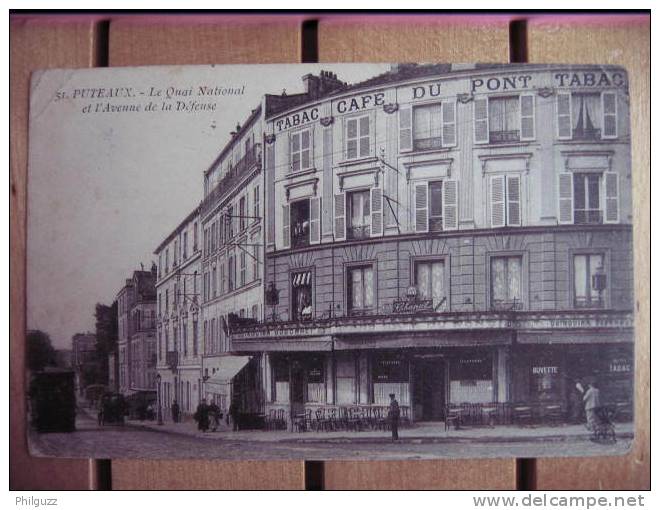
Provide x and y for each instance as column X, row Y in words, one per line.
column 130, row 441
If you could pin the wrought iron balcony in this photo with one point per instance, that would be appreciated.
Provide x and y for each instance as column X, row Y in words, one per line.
column 359, row 232
column 427, row 143
column 500, row 305
column 504, row 136
column 589, row 302
column 172, row 359
column 586, row 134
column 251, row 160
column 588, row 216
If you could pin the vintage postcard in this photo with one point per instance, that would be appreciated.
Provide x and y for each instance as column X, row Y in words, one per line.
column 337, row 261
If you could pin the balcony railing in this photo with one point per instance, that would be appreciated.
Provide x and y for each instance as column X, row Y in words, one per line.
column 504, row 136
column 427, row 143
column 500, row 305
column 589, row 302
column 172, row 359
column 586, row 134
column 588, row 216
column 251, row 159
column 359, row 232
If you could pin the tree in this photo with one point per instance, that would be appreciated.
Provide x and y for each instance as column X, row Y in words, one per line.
column 106, row 336
column 40, row 351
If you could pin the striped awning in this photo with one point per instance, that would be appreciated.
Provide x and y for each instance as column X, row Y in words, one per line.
column 304, row 278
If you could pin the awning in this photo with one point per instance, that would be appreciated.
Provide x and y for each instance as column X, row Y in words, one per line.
column 424, row 339
column 576, row 337
column 229, row 367
column 322, row 343
column 304, row 278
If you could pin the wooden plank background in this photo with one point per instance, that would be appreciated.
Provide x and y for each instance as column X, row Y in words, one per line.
column 86, row 42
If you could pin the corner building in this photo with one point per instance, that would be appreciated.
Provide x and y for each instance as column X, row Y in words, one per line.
column 452, row 235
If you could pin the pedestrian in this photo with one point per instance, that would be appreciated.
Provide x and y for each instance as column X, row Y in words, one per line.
column 393, row 416
column 215, row 415
column 175, row 412
column 233, row 414
column 591, row 400
column 99, row 414
column 575, row 402
column 201, row 416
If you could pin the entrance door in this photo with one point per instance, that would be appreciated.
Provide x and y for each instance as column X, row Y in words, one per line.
column 429, row 392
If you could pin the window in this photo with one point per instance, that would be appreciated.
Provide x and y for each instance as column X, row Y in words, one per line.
column 359, row 215
column 195, row 241
column 223, row 278
column 435, row 205
column 256, row 203
column 301, row 150
column 505, row 200
column 206, row 242
column 167, row 260
column 255, row 257
column 195, row 339
column 430, row 282
column 214, row 282
column 586, row 116
column 231, row 269
column 160, row 265
column 427, row 128
column 185, row 245
column 360, row 287
column 300, row 223
column 586, row 198
column 506, row 283
column 582, row 196
column 184, row 338
column 242, row 212
column 176, row 253
column 315, row 376
column 230, row 222
column 301, row 296
column 507, row 119
column 358, row 137
column 206, row 337
column 242, row 268
column 588, row 277
column 167, row 300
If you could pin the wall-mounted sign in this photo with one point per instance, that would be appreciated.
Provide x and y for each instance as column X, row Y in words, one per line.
column 297, row 119
column 500, row 83
column 358, row 103
column 620, row 365
column 545, row 370
column 590, row 79
column 412, row 305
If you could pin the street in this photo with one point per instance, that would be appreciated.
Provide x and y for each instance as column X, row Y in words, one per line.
column 128, row 441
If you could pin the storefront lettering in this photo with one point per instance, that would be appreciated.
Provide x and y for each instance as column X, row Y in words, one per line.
column 500, row 83
column 581, row 323
column 298, row 119
column 545, row 370
column 355, row 104
column 620, row 365
column 412, row 305
column 420, row 92
column 590, row 80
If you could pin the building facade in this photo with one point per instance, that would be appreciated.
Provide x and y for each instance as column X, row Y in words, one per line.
column 83, row 359
column 136, row 333
column 179, row 315
column 450, row 235
column 232, row 266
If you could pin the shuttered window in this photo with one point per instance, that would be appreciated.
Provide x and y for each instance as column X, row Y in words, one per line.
column 435, row 206
column 315, row 220
column 609, row 109
column 340, row 217
column 405, row 129
column 358, row 137
column 505, row 201
column 301, row 150
column 376, row 211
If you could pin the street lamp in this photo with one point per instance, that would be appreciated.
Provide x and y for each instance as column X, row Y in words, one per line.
column 159, row 410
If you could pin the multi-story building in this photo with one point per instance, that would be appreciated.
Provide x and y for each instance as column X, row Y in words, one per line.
column 178, row 288
column 136, row 332
column 232, row 265
column 449, row 235
column 83, row 359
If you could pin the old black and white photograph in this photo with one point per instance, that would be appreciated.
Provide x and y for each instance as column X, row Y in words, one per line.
column 330, row 261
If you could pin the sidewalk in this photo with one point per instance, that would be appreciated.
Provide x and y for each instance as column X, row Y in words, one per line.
column 418, row 433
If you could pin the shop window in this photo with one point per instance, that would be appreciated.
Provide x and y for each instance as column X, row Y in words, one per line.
column 359, row 214
column 471, row 380
column 315, row 374
column 360, row 290
column 506, row 283
column 300, row 224
column 390, row 374
column 430, row 282
column 301, row 150
column 301, row 295
column 545, row 381
column 280, row 381
column 345, row 371
column 358, row 137
column 589, row 280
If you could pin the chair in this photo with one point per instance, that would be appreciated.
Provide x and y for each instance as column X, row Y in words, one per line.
column 271, row 419
column 489, row 414
column 334, row 419
column 452, row 417
column 553, row 414
column 522, row 414
column 380, row 423
column 404, row 420
column 280, row 421
column 302, row 422
column 354, row 419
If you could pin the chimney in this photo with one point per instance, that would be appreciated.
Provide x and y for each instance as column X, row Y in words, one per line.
column 311, row 83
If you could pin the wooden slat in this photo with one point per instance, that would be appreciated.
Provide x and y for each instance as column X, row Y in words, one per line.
column 204, row 40
column 217, row 40
column 35, row 44
column 421, row 38
column 624, row 41
column 416, row 39
column 198, row 475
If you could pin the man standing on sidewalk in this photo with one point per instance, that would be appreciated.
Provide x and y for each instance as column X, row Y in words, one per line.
column 393, row 416
column 591, row 403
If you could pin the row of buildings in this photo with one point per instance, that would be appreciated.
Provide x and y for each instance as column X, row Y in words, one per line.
column 450, row 234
